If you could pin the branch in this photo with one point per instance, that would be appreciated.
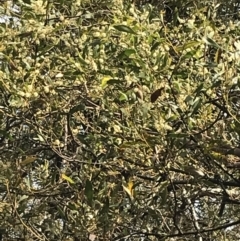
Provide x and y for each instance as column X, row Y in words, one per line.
column 161, row 236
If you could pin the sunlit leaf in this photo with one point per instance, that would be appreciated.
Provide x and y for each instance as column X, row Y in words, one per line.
column 40, row 138
column 81, row 60
column 129, row 188
column 68, row 179
column 196, row 105
column 104, row 81
column 190, row 54
column 165, row 61
column 59, row 75
column 123, row 96
column 29, row 159
column 211, row 42
column 191, row 44
column 108, row 80
column 128, row 52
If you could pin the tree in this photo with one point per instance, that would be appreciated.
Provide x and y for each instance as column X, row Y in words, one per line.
column 119, row 120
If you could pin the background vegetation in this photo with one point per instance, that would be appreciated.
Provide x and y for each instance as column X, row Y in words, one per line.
column 119, row 120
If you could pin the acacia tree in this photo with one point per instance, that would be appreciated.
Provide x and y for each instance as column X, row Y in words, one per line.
column 119, row 120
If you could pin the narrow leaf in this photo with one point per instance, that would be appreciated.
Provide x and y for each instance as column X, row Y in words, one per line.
column 164, row 196
column 61, row 213
column 191, row 44
column 124, row 28
column 104, row 81
column 129, row 189
column 68, row 179
column 199, row 88
column 108, row 80
column 40, row 138
column 77, row 108
column 196, row 106
column 163, row 186
column 28, row 160
column 89, row 192
column 211, row 42
column 128, row 52
column 155, row 46
column 123, row 96
column 218, row 56
column 105, row 207
column 178, row 135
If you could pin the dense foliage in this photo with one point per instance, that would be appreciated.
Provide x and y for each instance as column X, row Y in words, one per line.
column 119, row 120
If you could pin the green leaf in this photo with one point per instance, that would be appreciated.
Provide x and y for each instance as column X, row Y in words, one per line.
column 191, row 44
column 104, row 81
column 45, row 49
column 189, row 100
column 27, row 2
column 22, row 198
column 29, row 159
column 129, row 52
column 89, row 192
column 155, row 46
column 164, row 61
column 124, row 28
column 61, row 213
column 211, row 42
column 123, row 96
column 81, row 60
column 218, row 56
column 196, row 105
column 3, row 231
column 177, row 135
column 163, row 186
column 105, row 207
column 126, row 53
column 190, row 54
column 77, row 108
column 164, row 196
column 68, row 179
column 199, row 88
column 130, row 144
column 108, row 80
column 145, row 108
column 129, row 188
column 113, row 81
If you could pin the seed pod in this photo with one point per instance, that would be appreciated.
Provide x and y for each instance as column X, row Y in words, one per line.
column 156, row 94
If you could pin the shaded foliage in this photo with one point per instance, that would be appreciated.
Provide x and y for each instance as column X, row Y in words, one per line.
column 119, row 120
